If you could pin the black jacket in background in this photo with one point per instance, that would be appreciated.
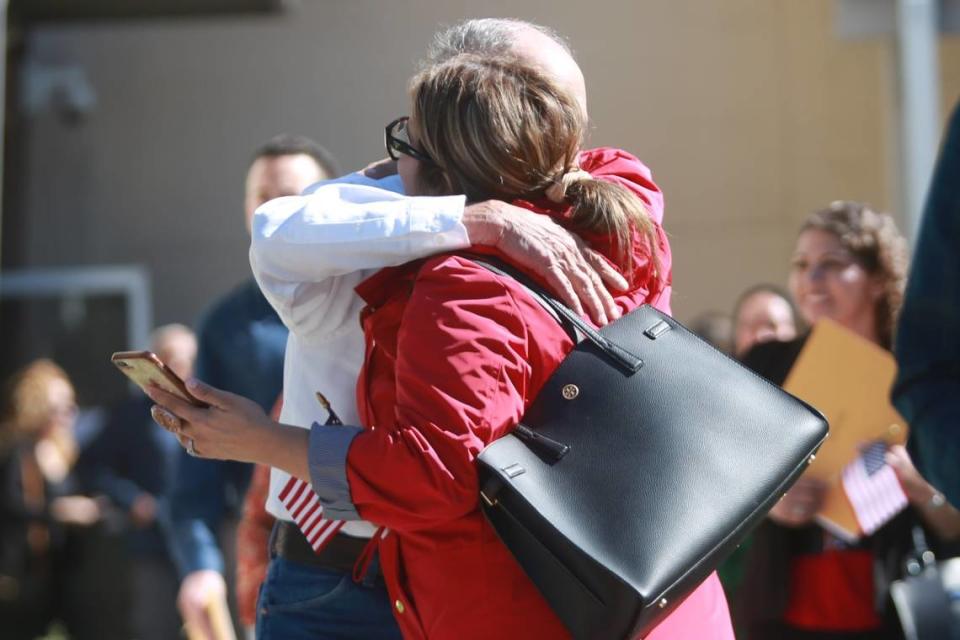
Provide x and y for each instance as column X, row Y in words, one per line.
column 762, row 598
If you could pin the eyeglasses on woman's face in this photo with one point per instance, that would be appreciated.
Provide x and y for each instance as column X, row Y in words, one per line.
column 397, row 140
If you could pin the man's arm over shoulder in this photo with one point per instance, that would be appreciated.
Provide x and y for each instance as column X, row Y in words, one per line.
column 308, row 252
column 343, row 226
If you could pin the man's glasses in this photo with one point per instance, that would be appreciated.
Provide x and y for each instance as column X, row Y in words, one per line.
column 397, row 139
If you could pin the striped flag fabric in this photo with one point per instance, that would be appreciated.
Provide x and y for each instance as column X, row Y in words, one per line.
column 873, row 488
column 302, row 502
column 303, row 505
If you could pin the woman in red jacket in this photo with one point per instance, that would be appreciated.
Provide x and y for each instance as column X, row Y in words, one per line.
column 456, row 354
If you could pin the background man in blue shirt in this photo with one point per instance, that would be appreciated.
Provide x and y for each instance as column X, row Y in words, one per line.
column 241, row 349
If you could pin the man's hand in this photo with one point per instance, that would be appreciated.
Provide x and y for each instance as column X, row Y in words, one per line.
column 197, row 591
column 143, row 511
column 918, row 491
column 380, row 169
column 575, row 272
column 79, row 511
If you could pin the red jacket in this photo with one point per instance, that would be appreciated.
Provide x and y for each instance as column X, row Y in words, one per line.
column 455, row 355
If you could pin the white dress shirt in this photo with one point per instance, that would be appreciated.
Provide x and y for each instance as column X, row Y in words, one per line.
column 308, row 253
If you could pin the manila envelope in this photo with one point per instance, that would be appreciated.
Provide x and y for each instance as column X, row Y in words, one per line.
column 848, row 379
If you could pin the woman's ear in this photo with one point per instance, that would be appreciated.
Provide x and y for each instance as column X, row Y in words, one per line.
column 448, row 182
column 434, row 181
column 877, row 288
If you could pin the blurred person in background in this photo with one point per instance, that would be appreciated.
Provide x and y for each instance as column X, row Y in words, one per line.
column 253, row 546
column 800, row 581
column 715, row 327
column 40, row 507
column 927, row 391
column 132, row 462
column 253, row 542
column 762, row 313
column 241, row 346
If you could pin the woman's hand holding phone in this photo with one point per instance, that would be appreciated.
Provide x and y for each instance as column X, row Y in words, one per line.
column 231, row 427
column 212, row 423
column 145, row 369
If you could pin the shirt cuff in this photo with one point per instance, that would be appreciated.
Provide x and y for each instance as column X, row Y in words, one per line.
column 120, row 490
column 194, row 548
column 327, row 457
column 441, row 217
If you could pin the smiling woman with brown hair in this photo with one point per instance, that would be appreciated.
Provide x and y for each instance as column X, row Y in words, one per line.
column 849, row 265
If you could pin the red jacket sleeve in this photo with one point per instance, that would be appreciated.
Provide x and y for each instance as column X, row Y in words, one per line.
column 462, row 375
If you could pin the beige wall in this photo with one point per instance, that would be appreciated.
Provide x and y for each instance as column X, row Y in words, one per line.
column 750, row 112
column 758, row 115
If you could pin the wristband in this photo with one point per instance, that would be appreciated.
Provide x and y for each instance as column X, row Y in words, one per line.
column 936, row 501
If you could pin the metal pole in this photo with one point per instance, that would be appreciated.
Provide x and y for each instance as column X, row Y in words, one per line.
column 917, row 40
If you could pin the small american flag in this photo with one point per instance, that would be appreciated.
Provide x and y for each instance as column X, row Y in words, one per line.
column 873, row 488
column 303, row 504
column 304, row 507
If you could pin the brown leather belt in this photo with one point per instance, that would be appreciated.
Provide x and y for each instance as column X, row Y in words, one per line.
column 339, row 554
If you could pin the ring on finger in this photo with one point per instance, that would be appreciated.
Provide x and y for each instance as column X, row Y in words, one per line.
column 191, row 449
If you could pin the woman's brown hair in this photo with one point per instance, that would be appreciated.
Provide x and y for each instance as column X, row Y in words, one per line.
column 498, row 129
column 874, row 241
column 25, row 410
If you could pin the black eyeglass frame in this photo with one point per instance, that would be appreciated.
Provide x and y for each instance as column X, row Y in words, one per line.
column 396, row 146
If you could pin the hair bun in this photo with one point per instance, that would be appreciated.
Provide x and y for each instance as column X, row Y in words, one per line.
column 557, row 191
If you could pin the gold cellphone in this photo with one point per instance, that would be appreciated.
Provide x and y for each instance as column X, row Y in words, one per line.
column 145, row 368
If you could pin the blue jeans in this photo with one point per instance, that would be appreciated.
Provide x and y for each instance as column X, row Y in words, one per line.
column 309, row 603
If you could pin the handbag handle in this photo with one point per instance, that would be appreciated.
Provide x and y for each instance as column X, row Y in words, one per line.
column 623, row 358
column 921, row 557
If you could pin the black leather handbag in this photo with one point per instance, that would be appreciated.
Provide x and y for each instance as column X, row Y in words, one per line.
column 646, row 458
column 922, row 599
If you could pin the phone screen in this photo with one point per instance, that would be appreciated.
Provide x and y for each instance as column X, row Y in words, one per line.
column 145, row 369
